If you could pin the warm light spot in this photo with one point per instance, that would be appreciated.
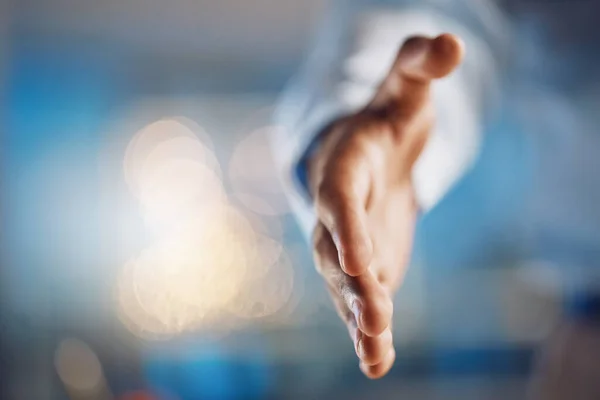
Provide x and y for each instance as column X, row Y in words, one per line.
column 173, row 190
column 79, row 368
column 253, row 174
column 165, row 140
column 188, row 279
column 180, row 283
column 291, row 313
column 179, row 148
column 263, row 253
column 256, row 204
column 198, row 131
column 210, row 263
column 265, row 224
column 145, row 141
column 131, row 313
column 264, row 295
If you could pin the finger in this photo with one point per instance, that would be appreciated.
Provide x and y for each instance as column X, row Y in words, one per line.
column 379, row 370
column 370, row 350
column 372, row 306
column 419, row 61
column 422, row 59
column 373, row 350
column 362, row 295
column 340, row 203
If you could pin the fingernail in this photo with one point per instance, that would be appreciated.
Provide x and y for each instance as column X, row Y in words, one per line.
column 356, row 310
column 341, row 260
column 351, row 326
column 358, row 343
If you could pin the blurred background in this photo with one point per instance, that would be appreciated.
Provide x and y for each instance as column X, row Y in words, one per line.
column 147, row 248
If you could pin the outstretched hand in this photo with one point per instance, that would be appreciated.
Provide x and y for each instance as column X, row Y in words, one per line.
column 360, row 180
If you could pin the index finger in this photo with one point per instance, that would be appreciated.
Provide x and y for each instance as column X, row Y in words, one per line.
column 340, row 203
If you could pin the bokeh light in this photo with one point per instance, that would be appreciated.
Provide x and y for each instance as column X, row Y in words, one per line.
column 130, row 311
column 265, row 225
column 193, row 273
column 252, row 171
column 265, row 295
column 145, row 141
column 154, row 143
column 211, row 265
column 174, row 190
column 181, row 148
column 79, row 369
column 291, row 313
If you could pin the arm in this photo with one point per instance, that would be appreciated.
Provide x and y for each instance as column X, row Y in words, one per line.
column 363, row 156
column 352, row 56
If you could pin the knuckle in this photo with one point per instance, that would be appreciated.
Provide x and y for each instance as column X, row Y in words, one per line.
column 378, row 127
column 345, row 290
column 353, row 149
column 357, row 146
column 412, row 45
column 398, row 119
column 377, row 320
column 361, row 136
column 414, row 40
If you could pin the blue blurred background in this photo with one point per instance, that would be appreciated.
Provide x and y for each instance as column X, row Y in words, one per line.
column 86, row 311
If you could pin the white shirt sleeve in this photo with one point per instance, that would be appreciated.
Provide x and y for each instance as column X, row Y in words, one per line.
column 342, row 76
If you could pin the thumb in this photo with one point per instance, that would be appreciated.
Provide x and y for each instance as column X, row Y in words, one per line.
column 419, row 61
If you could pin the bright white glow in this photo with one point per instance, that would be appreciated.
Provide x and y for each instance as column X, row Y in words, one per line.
column 167, row 139
column 209, row 260
column 145, row 141
column 179, row 148
column 174, row 190
column 200, row 268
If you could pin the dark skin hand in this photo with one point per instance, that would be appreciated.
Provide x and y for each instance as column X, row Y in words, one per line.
column 360, row 180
